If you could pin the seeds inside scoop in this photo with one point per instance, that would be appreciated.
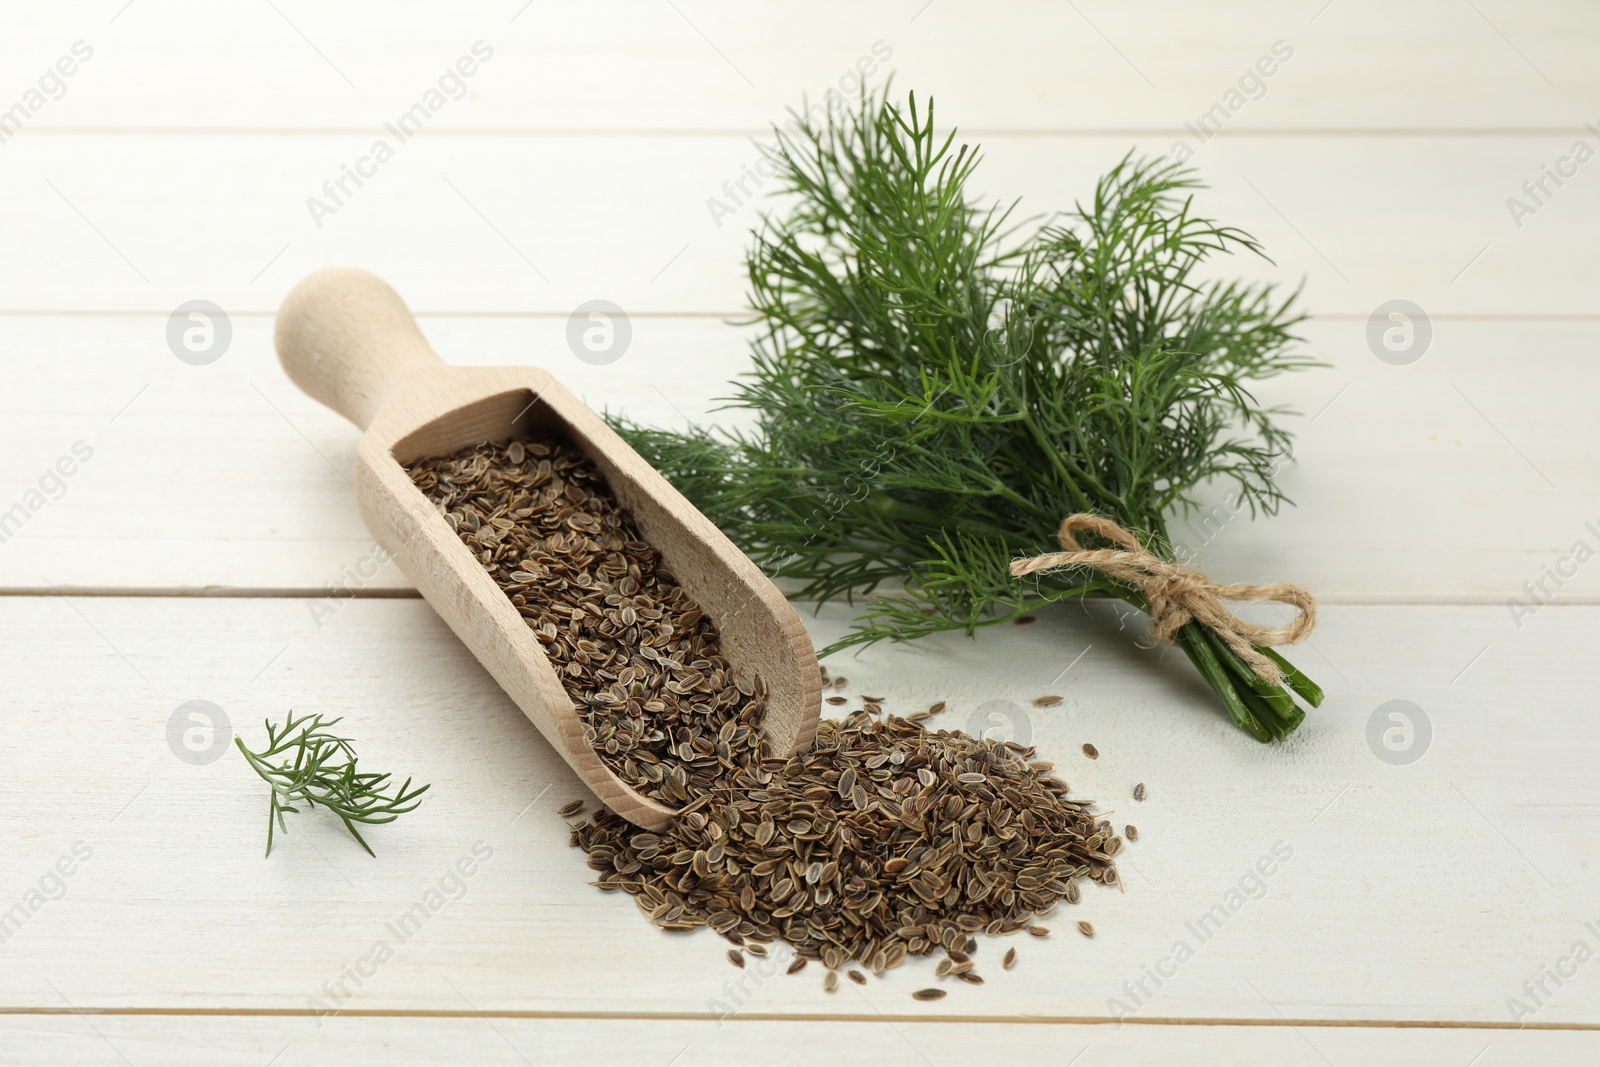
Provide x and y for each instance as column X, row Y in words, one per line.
column 660, row 704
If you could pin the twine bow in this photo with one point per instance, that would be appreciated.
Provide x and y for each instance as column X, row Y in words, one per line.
column 1177, row 594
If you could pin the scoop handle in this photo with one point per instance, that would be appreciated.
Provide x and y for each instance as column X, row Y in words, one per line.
column 346, row 339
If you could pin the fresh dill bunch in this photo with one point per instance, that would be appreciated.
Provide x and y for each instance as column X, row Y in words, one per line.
column 936, row 386
column 305, row 762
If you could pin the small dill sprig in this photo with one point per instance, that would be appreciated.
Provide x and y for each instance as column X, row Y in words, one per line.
column 319, row 767
column 936, row 386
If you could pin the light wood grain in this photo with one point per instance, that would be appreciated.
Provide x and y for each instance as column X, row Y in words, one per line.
column 1422, row 892
column 721, row 64
column 183, row 1040
column 347, row 339
column 1450, row 456
column 1377, row 165
column 544, row 223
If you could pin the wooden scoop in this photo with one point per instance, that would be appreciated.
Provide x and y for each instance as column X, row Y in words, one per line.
column 348, row 340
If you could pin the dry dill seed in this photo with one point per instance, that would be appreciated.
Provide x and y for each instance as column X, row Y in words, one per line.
column 1010, row 959
column 797, row 966
column 856, row 976
column 836, row 701
column 1131, row 832
column 1027, row 620
column 840, row 682
column 1091, row 751
column 1037, row 931
column 639, row 659
column 1138, row 791
column 830, row 981
column 1048, row 701
column 570, row 809
column 755, row 949
column 928, row 994
column 970, row 978
column 881, row 843
column 872, row 700
column 936, row 708
column 736, row 957
column 1086, row 928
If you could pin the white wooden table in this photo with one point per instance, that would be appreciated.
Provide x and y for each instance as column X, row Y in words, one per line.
column 208, row 511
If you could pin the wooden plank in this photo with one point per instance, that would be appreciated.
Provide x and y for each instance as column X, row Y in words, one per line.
column 1431, row 891
column 544, row 223
column 1461, row 477
column 204, row 1041
column 1018, row 64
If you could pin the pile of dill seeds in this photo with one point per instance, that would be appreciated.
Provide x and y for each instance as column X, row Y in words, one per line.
column 883, row 842
column 659, row 703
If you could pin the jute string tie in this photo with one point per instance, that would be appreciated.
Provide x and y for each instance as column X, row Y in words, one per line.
column 1177, row 594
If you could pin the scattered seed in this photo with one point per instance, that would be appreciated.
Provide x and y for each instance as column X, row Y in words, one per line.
column 1091, row 751
column 1131, row 832
column 970, row 978
column 1138, row 791
column 797, row 966
column 830, row 981
column 570, row 809
column 1027, row 620
column 1049, row 701
column 755, row 950
column 1010, row 959
column 936, row 708
column 1085, row 928
column 736, row 957
column 1037, row 931
column 841, row 682
column 928, row 994
column 836, row 701
column 857, row 977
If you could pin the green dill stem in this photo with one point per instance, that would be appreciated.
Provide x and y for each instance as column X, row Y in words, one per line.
column 1201, row 655
column 1295, row 679
column 1275, row 696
